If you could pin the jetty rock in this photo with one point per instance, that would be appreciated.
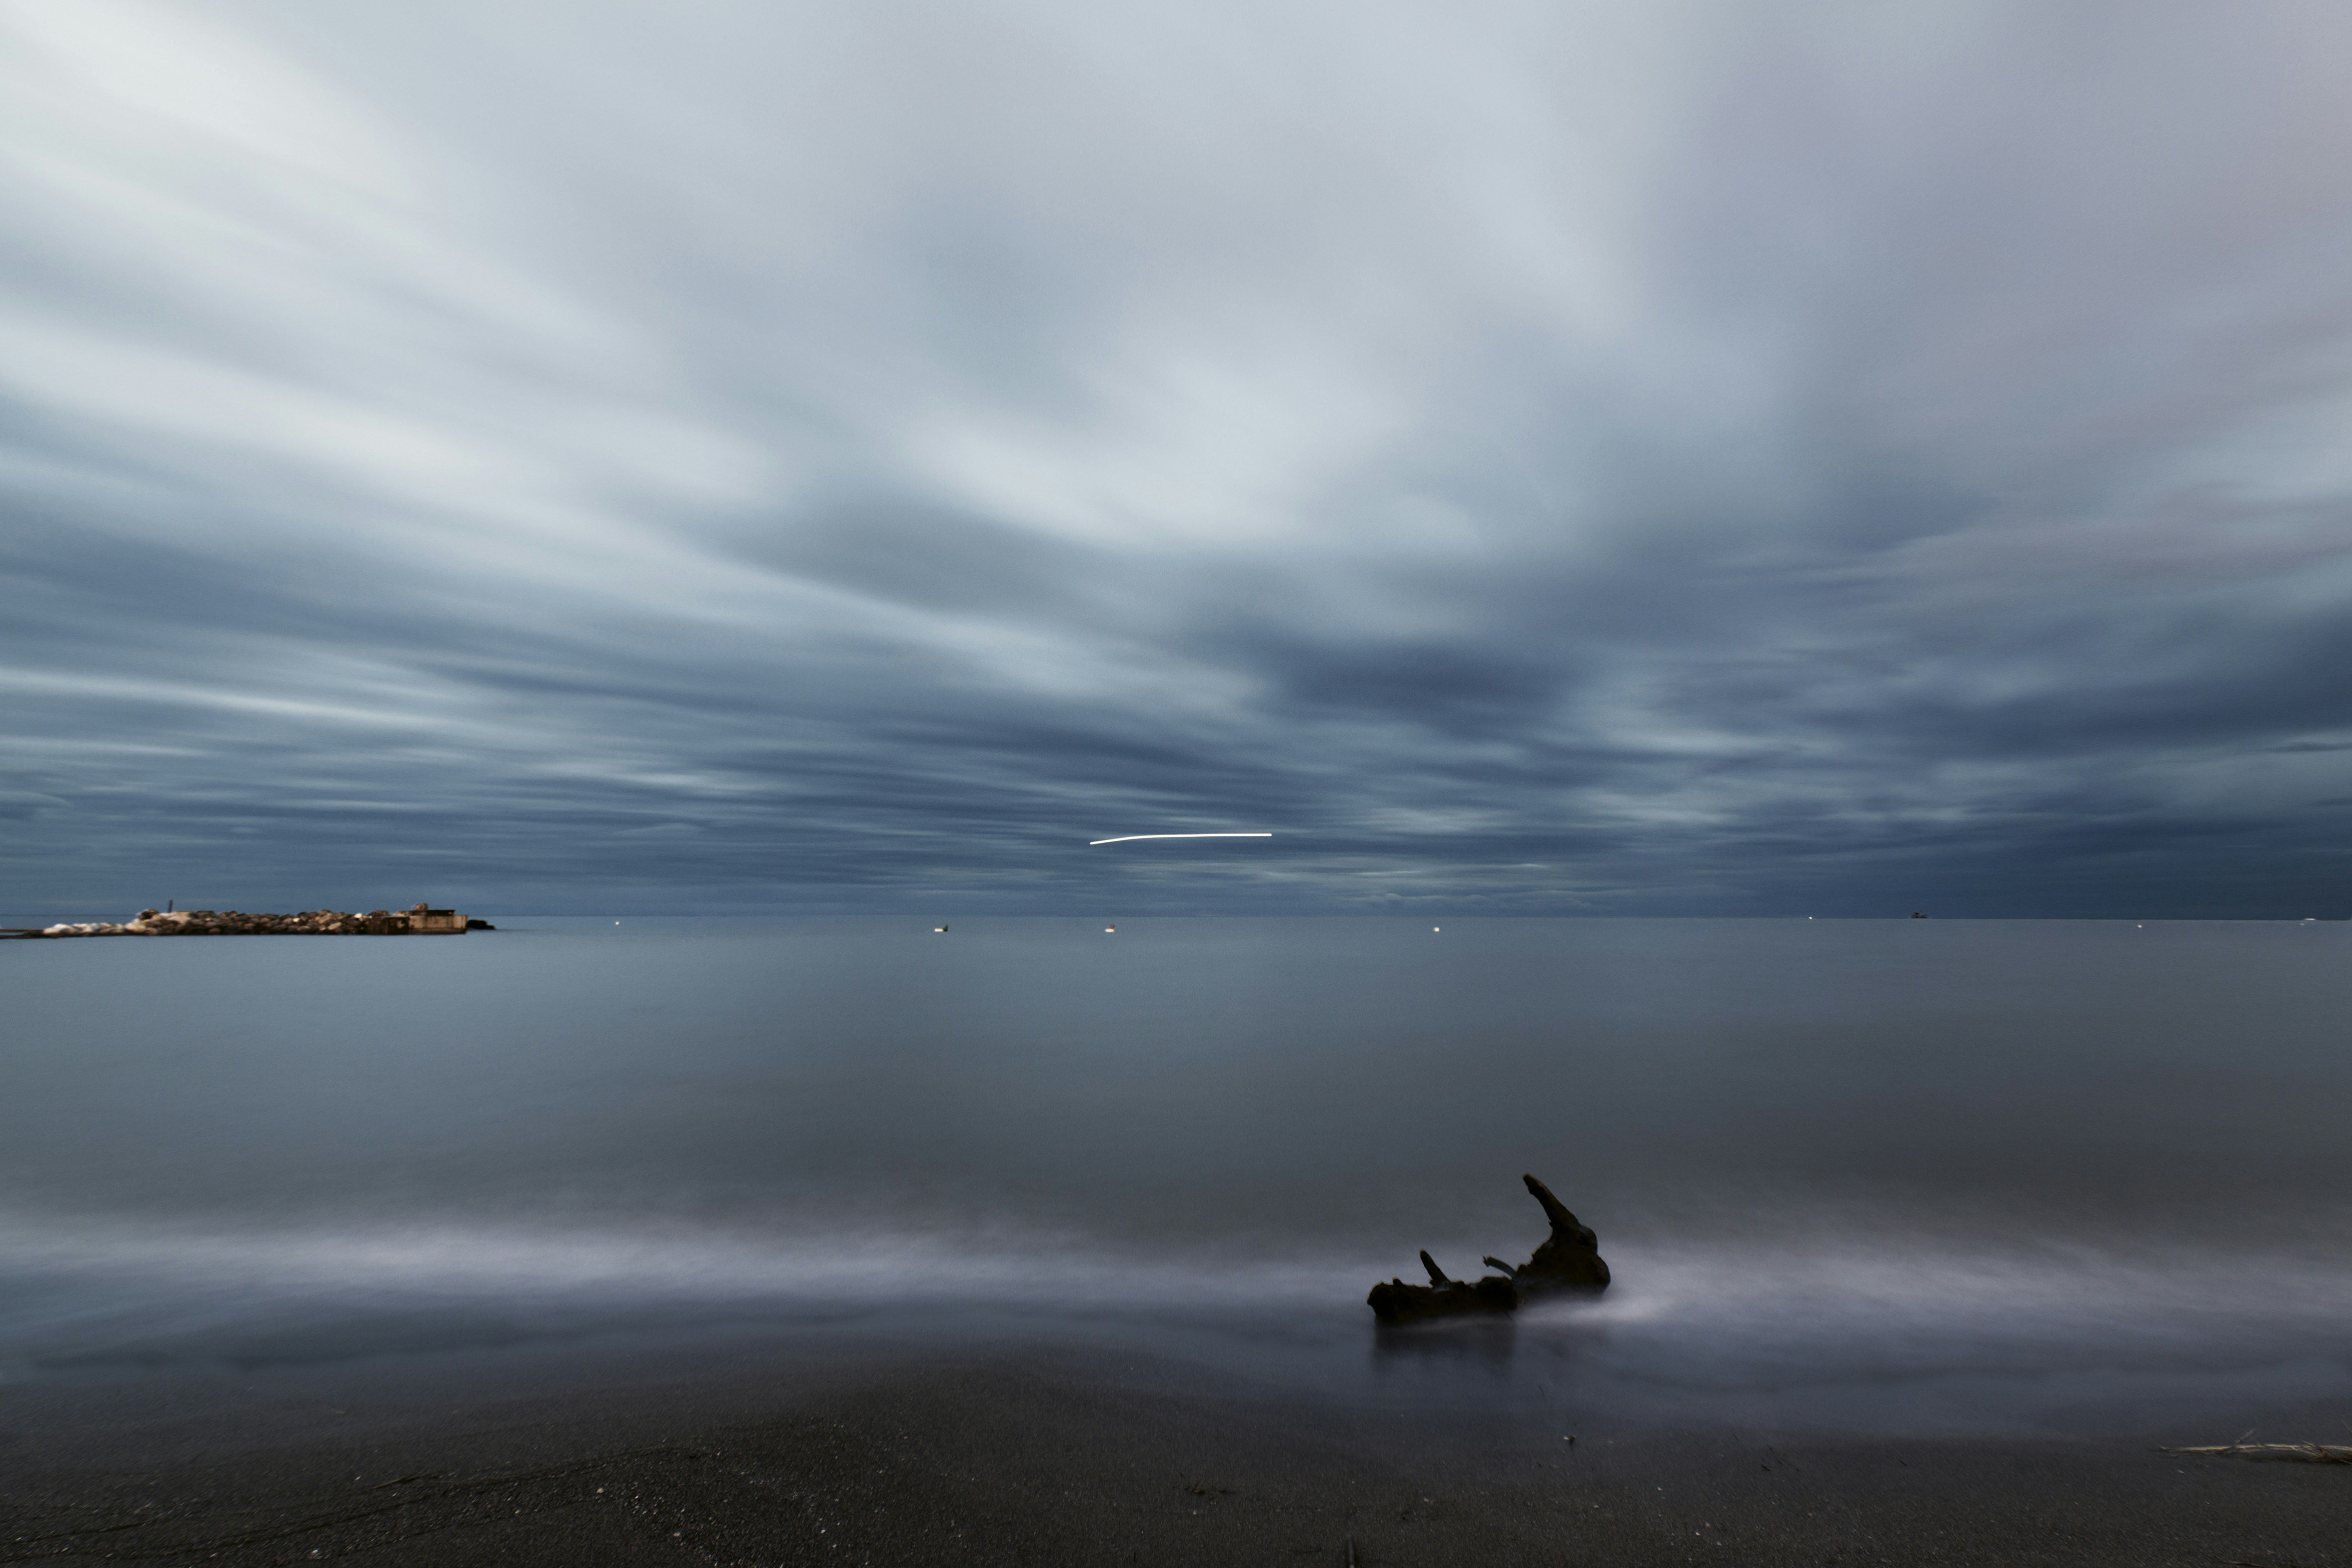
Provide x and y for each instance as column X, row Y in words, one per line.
column 1569, row 1260
column 420, row 920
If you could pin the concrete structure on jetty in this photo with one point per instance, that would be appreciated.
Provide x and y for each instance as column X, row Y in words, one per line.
column 417, row 920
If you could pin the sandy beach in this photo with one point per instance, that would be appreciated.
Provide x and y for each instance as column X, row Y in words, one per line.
column 1073, row 1457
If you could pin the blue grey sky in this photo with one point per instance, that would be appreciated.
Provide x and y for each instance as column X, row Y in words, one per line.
column 1629, row 459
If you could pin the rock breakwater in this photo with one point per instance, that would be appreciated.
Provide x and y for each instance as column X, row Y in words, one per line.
column 419, row 920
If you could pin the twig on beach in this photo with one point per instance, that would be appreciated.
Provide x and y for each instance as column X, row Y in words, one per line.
column 403, row 1480
column 2311, row 1453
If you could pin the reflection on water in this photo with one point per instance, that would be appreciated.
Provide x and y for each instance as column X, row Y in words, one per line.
column 1455, row 1346
column 1921, row 1176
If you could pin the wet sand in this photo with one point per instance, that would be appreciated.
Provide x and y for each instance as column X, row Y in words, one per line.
column 1075, row 1458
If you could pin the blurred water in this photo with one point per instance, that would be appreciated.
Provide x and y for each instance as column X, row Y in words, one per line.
column 1912, row 1175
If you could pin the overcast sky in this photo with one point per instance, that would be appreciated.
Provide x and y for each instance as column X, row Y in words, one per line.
column 1551, row 457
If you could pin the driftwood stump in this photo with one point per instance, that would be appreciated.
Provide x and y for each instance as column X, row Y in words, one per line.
column 1569, row 1259
column 1397, row 1302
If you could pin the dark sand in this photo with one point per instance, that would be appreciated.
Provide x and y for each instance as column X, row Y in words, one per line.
column 1068, row 1457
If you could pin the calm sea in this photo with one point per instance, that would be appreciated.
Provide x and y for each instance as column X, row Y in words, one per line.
column 1894, row 1175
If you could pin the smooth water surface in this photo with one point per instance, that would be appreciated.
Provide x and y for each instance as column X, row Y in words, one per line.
column 1901, row 1175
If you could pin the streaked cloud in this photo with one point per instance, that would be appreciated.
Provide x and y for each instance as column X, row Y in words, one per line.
column 1660, row 458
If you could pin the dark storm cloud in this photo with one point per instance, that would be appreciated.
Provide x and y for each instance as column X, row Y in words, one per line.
column 1659, row 458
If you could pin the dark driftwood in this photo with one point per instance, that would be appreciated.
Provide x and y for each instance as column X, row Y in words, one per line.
column 1397, row 1302
column 1569, row 1259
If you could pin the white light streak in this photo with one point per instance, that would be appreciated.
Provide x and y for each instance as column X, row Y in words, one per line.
column 1133, row 837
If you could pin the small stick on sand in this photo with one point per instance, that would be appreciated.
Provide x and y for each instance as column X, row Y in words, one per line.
column 2311, row 1453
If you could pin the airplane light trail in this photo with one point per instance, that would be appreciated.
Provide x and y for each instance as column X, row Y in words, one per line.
column 1133, row 837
